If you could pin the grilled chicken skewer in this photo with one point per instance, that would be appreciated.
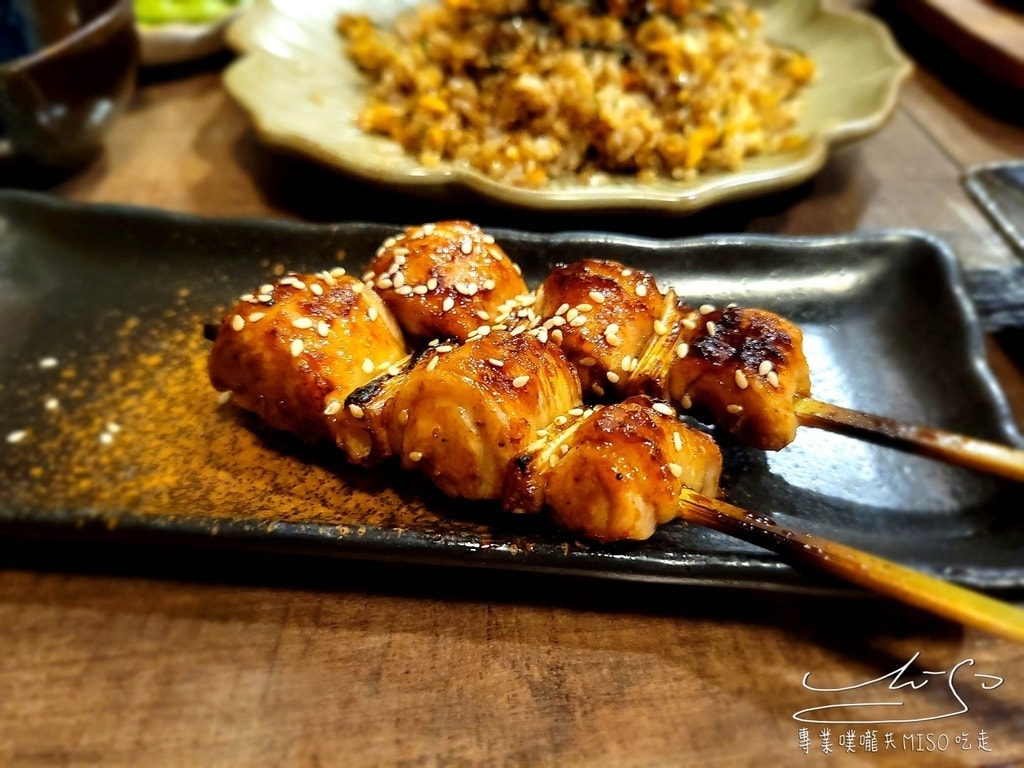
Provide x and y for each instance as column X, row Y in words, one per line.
column 745, row 366
column 285, row 348
column 639, row 465
column 619, row 470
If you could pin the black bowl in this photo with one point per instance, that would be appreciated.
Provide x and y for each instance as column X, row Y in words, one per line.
column 74, row 75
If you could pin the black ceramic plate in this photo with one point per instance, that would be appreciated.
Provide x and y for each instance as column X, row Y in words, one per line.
column 109, row 428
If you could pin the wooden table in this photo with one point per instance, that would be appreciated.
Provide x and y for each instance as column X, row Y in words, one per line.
column 109, row 658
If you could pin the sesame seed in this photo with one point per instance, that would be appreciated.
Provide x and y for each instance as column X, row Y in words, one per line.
column 299, row 285
column 765, row 367
column 741, row 380
column 626, row 272
column 268, row 288
column 520, row 381
column 337, row 272
column 106, row 438
column 563, row 448
column 256, row 317
column 466, row 246
column 398, row 280
column 542, row 335
column 317, row 289
column 586, row 362
column 372, row 313
column 265, row 298
column 444, row 348
column 706, row 309
column 483, row 330
column 17, row 436
column 712, row 328
column 302, row 323
column 419, row 290
column 734, row 408
column 355, row 410
column 358, row 288
column 664, row 409
column 428, row 229
column 432, row 284
column 48, row 362
column 447, row 304
column 689, row 323
column 572, row 314
column 517, row 330
column 561, row 421
column 489, row 239
column 237, row 322
column 403, row 417
column 495, row 362
column 575, row 412
column 332, row 408
column 405, row 290
column 677, row 441
column 660, row 327
column 562, row 309
column 627, row 363
column 297, row 347
column 683, row 350
column 675, row 469
column 113, row 427
column 641, row 290
column 415, row 456
column 368, row 366
column 384, row 283
column 613, row 377
column 433, row 363
column 52, row 404
column 542, row 433
column 686, row 402
column 223, row 398
column 489, row 285
column 394, row 370
column 597, row 389
column 773, row 378
column 555, row 321
column 585, row 307
column 596, row 296
column 247, row 297
column 556, row 335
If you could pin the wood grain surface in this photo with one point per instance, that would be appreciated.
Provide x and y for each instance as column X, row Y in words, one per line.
column 148, row 656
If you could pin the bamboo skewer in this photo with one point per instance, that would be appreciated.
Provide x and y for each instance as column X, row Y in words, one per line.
column 993, row 458
column 856, row 566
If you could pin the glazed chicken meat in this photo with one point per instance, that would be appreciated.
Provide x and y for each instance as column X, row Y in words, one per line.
column 493, row 405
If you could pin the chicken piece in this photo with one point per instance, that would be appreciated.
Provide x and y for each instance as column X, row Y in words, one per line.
column 461, row 413
column 745, row 367
column 444, row 280
column 616, row 471
column 283, row 350
column 602, row 313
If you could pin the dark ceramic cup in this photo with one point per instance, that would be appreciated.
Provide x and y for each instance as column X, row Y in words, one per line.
column 67, row 69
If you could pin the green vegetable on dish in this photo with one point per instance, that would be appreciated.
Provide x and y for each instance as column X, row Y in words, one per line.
column 188, row 11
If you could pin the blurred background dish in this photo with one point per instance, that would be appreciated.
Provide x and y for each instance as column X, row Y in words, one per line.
column 67, row 69
column 303, row 95
column 176, row 31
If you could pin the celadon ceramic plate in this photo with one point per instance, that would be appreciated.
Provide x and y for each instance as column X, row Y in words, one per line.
column 304, row 94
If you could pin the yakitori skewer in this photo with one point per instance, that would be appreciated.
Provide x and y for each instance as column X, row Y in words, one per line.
column 744, row 366
column 500, row 416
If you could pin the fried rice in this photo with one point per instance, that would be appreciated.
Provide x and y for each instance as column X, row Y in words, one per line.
column 531, row 91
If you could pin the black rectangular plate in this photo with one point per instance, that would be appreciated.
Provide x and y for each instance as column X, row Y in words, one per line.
column 101, row 309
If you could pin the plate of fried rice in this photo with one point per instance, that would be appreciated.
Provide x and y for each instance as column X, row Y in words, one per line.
column 573, row 105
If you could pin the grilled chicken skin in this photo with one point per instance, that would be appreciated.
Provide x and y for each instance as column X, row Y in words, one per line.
column 285, row 348
column 614, row 472
column 744, row 366
column 462, row 412
column 602, row 314
column 445, row 279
